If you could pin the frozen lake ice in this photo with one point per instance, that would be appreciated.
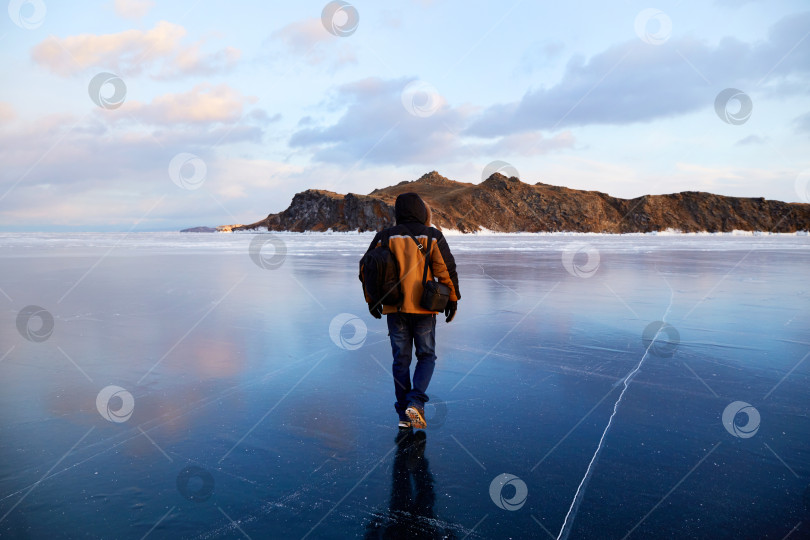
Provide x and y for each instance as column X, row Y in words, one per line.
column 168, row 385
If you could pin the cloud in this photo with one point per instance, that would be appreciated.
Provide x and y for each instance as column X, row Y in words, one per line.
column 527, row 144
column 191, row 60
column 131, row 52
column 309, row 40
column 376, row 128
column 302, row 36
column 391, row 19
column 802, row 123
column 263, row 118
column 62, row 150
column 752, row 139
column 734, row 3
column 634, row 82
column 99, row 174
column 251, row 177
column 7, row 113
column 538, row 54
column 133, row 9
column 203, row 104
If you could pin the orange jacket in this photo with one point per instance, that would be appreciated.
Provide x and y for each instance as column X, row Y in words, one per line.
column 411, row 263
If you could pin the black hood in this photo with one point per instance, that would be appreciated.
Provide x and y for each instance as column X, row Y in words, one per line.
column 410, row 208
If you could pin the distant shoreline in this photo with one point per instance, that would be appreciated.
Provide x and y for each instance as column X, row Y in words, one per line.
column 485, row 232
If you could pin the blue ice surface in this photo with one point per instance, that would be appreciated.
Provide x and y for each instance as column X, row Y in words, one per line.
column 263, row 400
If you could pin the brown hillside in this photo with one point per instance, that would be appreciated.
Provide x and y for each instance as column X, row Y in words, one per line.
column 509, row 205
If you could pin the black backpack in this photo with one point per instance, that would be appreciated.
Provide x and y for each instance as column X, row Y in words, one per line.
column 379, row 273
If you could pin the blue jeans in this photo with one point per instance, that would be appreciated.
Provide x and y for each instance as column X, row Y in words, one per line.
column 406, row 330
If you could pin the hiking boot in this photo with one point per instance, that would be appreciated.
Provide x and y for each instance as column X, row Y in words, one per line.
column 404, row 423
column 417, row 415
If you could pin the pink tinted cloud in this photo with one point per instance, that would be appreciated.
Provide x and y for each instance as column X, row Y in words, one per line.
column 203, row 104
column 309, row 39
column 131, row 52
column 7, row 113
column 133, row 9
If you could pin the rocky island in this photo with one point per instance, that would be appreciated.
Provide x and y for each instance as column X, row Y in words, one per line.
column 504, row 204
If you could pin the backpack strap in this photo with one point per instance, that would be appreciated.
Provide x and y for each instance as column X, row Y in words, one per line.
column 385, row 239
column 427, row 254
column 419, row 245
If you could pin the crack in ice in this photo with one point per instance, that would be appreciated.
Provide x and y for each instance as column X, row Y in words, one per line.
column 572, row 510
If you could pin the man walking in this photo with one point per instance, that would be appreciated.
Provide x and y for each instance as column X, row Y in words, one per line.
column 409, row 324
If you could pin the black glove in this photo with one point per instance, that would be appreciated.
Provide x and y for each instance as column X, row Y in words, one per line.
column 376, row 311
column 450, row 310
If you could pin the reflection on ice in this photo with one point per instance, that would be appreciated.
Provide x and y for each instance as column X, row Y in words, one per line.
column 273, row 380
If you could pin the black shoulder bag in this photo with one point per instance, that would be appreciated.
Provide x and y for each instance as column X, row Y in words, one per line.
column 435, row 295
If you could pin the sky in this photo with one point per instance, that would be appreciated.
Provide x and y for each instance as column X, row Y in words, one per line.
column 130, row 115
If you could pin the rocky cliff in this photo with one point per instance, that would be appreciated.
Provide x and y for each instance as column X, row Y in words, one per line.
column 509, row 205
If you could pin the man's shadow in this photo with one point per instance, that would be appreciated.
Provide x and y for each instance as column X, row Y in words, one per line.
column 410, row 513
